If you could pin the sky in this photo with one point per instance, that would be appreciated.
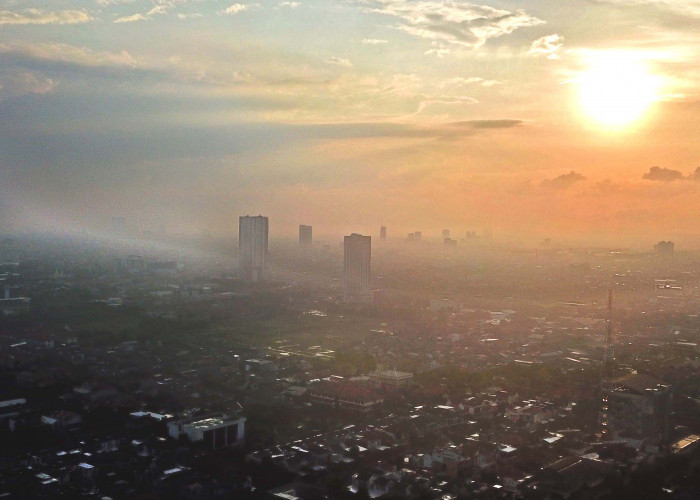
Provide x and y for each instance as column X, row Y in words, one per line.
column 575, row 120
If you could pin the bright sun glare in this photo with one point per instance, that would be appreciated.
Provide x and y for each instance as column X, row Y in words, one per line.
column 616, row 90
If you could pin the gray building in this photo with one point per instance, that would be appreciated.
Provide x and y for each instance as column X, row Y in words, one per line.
column 664, row 248
column 252, row 248
column 357, row 259
column 640, row 407
column 305, row 236
column 215, row 431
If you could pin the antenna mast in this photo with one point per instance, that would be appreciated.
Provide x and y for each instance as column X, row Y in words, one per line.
column 606, row 431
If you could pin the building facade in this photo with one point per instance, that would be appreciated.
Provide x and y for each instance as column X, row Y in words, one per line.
column 305, row 236
column 217, row 431
column 252, row 248
column 357, row 259
column 641, row 407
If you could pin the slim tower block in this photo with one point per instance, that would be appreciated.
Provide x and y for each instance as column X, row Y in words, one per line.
column 252, row 248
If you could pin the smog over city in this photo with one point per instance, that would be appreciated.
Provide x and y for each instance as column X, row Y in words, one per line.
column 349, row 249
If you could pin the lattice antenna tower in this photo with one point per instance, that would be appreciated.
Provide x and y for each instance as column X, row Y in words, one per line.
column 606, row 430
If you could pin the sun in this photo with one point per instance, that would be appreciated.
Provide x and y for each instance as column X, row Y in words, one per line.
column 616, row 90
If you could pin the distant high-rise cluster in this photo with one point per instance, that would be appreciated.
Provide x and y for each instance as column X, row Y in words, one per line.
column 664, row 248
column 357, row 258
column 305, row 236
column 252, row 248
column 416, row 236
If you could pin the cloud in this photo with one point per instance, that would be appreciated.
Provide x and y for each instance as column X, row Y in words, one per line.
column 40, row 16
column 131, row 19
column 437, row 52
column 427, row 100
column 194, row 15
column 450, row 21
column 157, row 10
column 291, row 5
column 457, row 82
column 234, row 9
column 662, row 174
column 547, row 46
column 563, row 181
column 71, row 54
column 682, row 7
column 338, row 61
column 17, row 82
column 487, row 124
column 374, row 41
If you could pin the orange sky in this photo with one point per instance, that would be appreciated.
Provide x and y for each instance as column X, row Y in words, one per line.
column 537, row 119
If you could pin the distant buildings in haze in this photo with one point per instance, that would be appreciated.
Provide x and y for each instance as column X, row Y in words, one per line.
column 357, row 256
column 305, row 236
column 664, row 248
column 416, row 236
column 252, row 248
column 382, row 233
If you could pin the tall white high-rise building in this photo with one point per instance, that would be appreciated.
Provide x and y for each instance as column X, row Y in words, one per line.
column 252, row 248
column 357, row 260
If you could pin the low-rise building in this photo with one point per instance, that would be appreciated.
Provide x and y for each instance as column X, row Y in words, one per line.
column 216, row 431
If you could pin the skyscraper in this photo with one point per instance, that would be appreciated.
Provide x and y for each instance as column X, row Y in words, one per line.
column 445, row 234
column 252, row 248
column 357, row 258
column 305, row 236
column 382, row 233
column 664, row 248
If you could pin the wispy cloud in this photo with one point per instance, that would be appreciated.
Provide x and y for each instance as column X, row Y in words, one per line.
column 71, row 54
column 15, row 82
column 291, row 5
column 428, row 100
column 458, row 82
column 439, row 50
column 374, row 41
column 488, row 124
column 41, row 16
column 450, row 21
column 683, row 7
column 156, row 10
column 548, row 46
column 130, row 19
column 338, row 61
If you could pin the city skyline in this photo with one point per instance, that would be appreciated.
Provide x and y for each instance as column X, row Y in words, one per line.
column 347, row 114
